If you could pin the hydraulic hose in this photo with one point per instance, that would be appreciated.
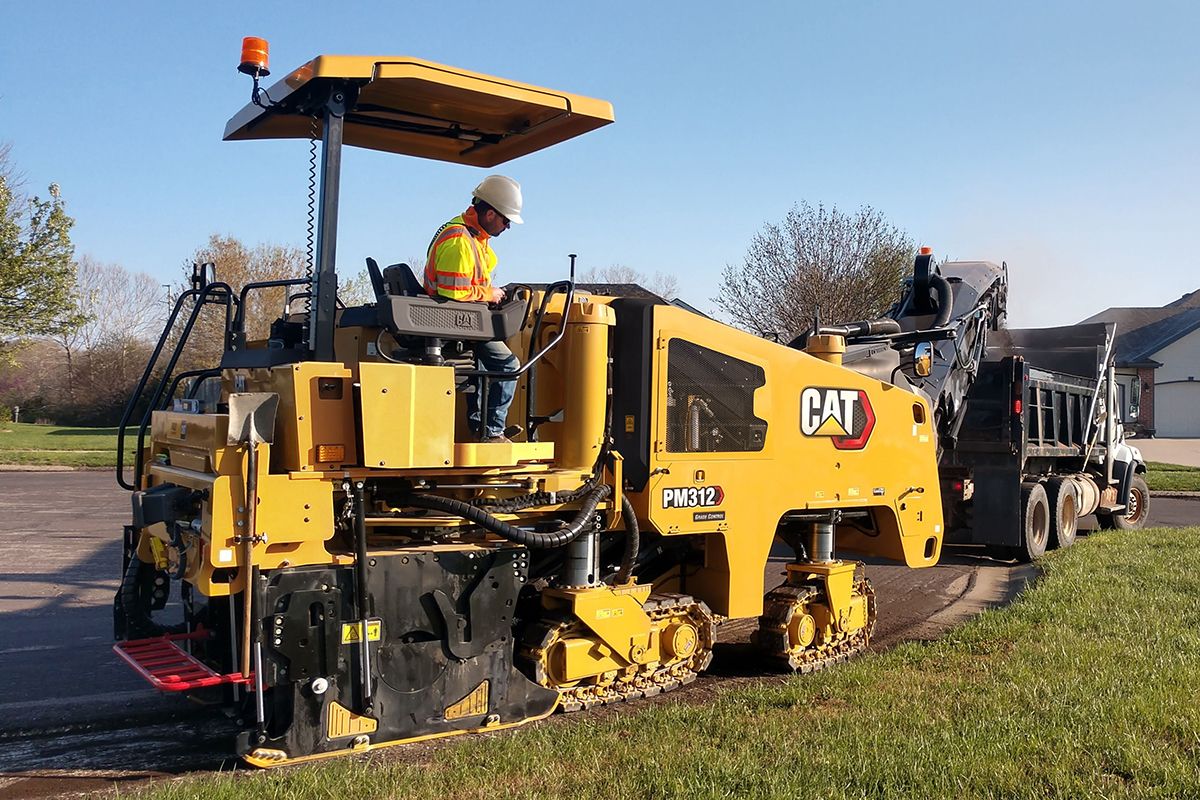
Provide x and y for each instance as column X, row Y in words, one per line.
column 945, row 299
column 851, row 330
column 530, row 500
column 633, row 542
column 535, row 539
column 866, row 327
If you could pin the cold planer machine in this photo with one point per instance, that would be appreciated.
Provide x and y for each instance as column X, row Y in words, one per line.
column 356, row 571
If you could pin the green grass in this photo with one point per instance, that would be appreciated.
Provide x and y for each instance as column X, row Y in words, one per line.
column 22, row 443
column 1172, row 477
column 1085, row 687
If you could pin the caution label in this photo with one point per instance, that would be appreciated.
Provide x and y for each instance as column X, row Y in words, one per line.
column 352, row 631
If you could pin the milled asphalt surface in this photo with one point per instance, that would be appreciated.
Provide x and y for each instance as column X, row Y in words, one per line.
column 73, row 717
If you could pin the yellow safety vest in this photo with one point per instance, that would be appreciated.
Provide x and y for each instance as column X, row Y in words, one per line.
column 460, row 262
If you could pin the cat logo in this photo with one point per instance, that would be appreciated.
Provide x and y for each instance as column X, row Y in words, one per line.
column 844, row 415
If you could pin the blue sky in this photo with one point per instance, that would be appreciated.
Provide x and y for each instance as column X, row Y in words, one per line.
column 1060, row 137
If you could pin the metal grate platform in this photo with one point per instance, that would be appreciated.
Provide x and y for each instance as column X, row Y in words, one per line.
column 165, row 664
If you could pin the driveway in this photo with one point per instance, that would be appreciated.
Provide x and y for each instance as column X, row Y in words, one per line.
column 1170, row 451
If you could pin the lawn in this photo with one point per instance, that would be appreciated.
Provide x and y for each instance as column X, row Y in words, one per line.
column 22, row 443
column 1172, row 477
column 1084, row 687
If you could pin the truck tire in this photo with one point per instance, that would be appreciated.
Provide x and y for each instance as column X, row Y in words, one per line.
column 1137, row 510
column 1064, row 512
column 1035, row 523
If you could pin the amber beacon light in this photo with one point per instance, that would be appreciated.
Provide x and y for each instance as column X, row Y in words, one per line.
column 256, row 55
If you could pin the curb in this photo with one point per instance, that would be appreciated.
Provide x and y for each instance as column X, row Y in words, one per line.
column 36, row 468
column 1176, row 495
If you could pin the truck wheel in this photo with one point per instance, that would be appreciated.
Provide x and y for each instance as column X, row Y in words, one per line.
column 1064, row 512
column 1035, row 523
column 1137, row 510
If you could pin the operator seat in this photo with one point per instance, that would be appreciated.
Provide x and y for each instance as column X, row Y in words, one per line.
column 404, row 309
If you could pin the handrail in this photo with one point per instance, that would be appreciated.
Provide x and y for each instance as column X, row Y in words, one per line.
column 239, row 321
column 488, row 375
column 141, row 386
column 222, row 292
column 225, row 293
column 512, row 376
column 191, row 373
column 531, row 387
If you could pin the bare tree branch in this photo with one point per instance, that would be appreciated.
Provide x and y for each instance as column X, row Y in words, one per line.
column 849, row 266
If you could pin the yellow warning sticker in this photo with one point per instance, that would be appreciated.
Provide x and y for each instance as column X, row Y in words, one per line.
column 352, row 631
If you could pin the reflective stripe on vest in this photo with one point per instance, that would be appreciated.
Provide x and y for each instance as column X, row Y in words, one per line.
column 435, row 278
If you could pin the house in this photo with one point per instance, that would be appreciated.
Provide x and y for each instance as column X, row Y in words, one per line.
column 1157, row 356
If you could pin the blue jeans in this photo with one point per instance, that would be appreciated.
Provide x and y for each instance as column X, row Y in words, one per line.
column 494, row 357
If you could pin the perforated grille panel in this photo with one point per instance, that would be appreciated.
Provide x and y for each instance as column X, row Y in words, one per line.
column 710, row 401
column 445, row 318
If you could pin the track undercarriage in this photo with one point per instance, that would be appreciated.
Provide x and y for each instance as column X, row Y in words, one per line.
column 809, row 623
column 681, row 637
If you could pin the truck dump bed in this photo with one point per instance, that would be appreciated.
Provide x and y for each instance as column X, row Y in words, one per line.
column 1033, row 396
column 1026, row 415
column 1054, row 373
column 1074, row 349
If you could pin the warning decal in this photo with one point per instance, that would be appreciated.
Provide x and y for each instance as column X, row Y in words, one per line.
column 352, row 631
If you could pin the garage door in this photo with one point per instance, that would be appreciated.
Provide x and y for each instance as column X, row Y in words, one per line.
column 1177, row 409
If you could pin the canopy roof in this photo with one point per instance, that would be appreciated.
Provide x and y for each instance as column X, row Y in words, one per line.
column 419, row 108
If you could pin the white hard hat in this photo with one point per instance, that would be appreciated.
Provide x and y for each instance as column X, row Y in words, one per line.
column 503, row 194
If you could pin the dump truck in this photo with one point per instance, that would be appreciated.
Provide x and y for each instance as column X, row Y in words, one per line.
column 1028, row 437
column 357, row 570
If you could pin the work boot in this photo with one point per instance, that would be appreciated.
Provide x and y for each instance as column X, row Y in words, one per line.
column 498, row 439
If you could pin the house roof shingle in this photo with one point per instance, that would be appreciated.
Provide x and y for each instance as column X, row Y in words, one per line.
column 1136, row 347
column 1189, row 300
column 1130, row 319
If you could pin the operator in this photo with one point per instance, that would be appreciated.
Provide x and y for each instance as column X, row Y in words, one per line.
column 459, row 266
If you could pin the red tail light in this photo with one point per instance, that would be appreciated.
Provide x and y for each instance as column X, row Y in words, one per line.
column 1017, row 406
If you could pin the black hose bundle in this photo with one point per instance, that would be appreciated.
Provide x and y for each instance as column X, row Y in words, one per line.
column 945, row 301
column 633, row 541
column 530, row 500
column 533, row 539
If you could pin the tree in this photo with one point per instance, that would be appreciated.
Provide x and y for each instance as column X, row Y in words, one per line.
column 662, row 284
column 122, row 313
column 850, row 266
column 356, row 290
column 37, row 271
column 238, row 264
column 31, row 377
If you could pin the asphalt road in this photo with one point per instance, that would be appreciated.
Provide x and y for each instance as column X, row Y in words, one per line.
column 73, row 717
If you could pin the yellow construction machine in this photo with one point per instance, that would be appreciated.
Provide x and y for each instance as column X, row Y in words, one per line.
column 356, row 571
